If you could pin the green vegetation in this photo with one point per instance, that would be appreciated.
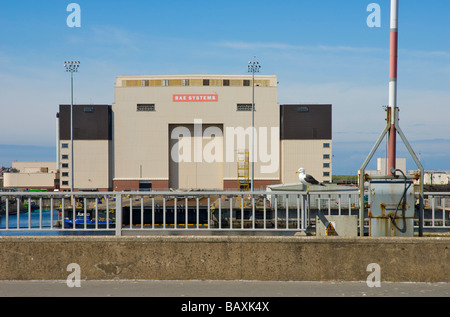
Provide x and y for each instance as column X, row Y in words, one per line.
column 345, row 179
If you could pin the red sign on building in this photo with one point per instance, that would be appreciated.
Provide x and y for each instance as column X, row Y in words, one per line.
column 195, row 98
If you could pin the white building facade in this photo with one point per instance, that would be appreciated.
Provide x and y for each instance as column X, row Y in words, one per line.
column 188, row 131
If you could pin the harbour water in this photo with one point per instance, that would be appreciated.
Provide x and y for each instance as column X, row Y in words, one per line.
column 35, row 224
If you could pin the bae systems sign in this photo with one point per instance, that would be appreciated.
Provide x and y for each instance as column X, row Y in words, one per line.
column 195, row 98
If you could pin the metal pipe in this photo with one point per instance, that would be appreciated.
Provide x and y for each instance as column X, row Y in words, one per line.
column 391, row 176
column 57, row 143
column 118, row 224
column 71, row 67
column 393, row 85
column 253, row 67
column 362, row 179
column 71, row 132
column 253, row 132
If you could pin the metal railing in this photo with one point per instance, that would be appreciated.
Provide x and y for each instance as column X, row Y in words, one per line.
column 119, row 213
column 51, row 211
column 437, row 211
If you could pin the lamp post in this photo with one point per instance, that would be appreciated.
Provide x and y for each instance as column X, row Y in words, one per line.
column 253, row 67
column 71, row 67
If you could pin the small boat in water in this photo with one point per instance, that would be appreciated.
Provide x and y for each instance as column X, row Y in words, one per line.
column 33, row 206
column 81, row 220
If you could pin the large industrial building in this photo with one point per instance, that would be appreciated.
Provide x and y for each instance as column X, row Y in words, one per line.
column 192, row 132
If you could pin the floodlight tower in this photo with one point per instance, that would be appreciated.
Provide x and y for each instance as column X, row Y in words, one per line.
column 71, row 67
column 253, row 67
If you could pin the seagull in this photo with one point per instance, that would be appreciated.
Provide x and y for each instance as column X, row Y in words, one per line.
column 307, row 179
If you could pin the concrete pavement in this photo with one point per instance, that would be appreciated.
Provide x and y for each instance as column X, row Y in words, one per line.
column 228, row 289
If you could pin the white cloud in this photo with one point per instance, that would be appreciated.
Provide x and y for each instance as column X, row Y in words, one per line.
column 425, row 54
column 305, row 48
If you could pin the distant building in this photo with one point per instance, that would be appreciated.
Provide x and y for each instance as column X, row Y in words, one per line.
column 382, row 168
column 31, row 175
column 92, row 142
column 306, row 141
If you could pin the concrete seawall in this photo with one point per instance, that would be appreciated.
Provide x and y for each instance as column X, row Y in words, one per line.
column 225, row 258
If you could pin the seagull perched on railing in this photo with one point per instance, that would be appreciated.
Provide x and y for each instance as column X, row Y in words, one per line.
column 307, row 179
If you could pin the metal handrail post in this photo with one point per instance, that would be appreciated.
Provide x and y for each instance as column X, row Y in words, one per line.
column 118, row 214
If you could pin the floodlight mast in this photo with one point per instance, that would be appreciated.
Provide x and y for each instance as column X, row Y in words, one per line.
column 71, row 67
column 253, row 67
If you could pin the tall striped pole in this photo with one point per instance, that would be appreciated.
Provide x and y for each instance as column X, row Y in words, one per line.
column 393, row 85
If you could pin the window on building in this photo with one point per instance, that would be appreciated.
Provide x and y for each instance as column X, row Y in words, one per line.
column 226, row 82
column 65, row 174
column 65, row 165
column 65, row 145
column 88, row 109
column 205, row 82
column 303, row 109
column 244, row 107
column 185, row 82
column 326, row 145
column 325, row 174
column 326, row 156
column 326, row 165
column 65, row 183
column 246, row 82
column 145, row 107
column 165, row 82
column 65, row 157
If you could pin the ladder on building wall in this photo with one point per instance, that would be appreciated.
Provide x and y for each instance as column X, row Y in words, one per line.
column 243, row 170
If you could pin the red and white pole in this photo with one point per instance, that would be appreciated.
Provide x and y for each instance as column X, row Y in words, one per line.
column 393, row 85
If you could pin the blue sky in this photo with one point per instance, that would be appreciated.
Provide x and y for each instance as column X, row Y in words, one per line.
column 321, row 51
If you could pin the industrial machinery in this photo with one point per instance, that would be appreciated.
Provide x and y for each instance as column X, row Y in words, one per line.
column 391, row 210
column 391, row 205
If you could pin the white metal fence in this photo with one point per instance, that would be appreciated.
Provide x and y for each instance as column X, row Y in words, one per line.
column 437, row 211
column 262, row 212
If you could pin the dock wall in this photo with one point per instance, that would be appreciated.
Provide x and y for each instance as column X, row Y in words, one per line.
column 296, row 258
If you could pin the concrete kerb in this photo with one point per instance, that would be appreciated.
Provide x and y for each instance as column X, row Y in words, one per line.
column 264, row 258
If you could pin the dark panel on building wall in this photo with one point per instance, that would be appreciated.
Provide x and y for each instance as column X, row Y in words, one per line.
column 305, row 122
column 90, row 122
